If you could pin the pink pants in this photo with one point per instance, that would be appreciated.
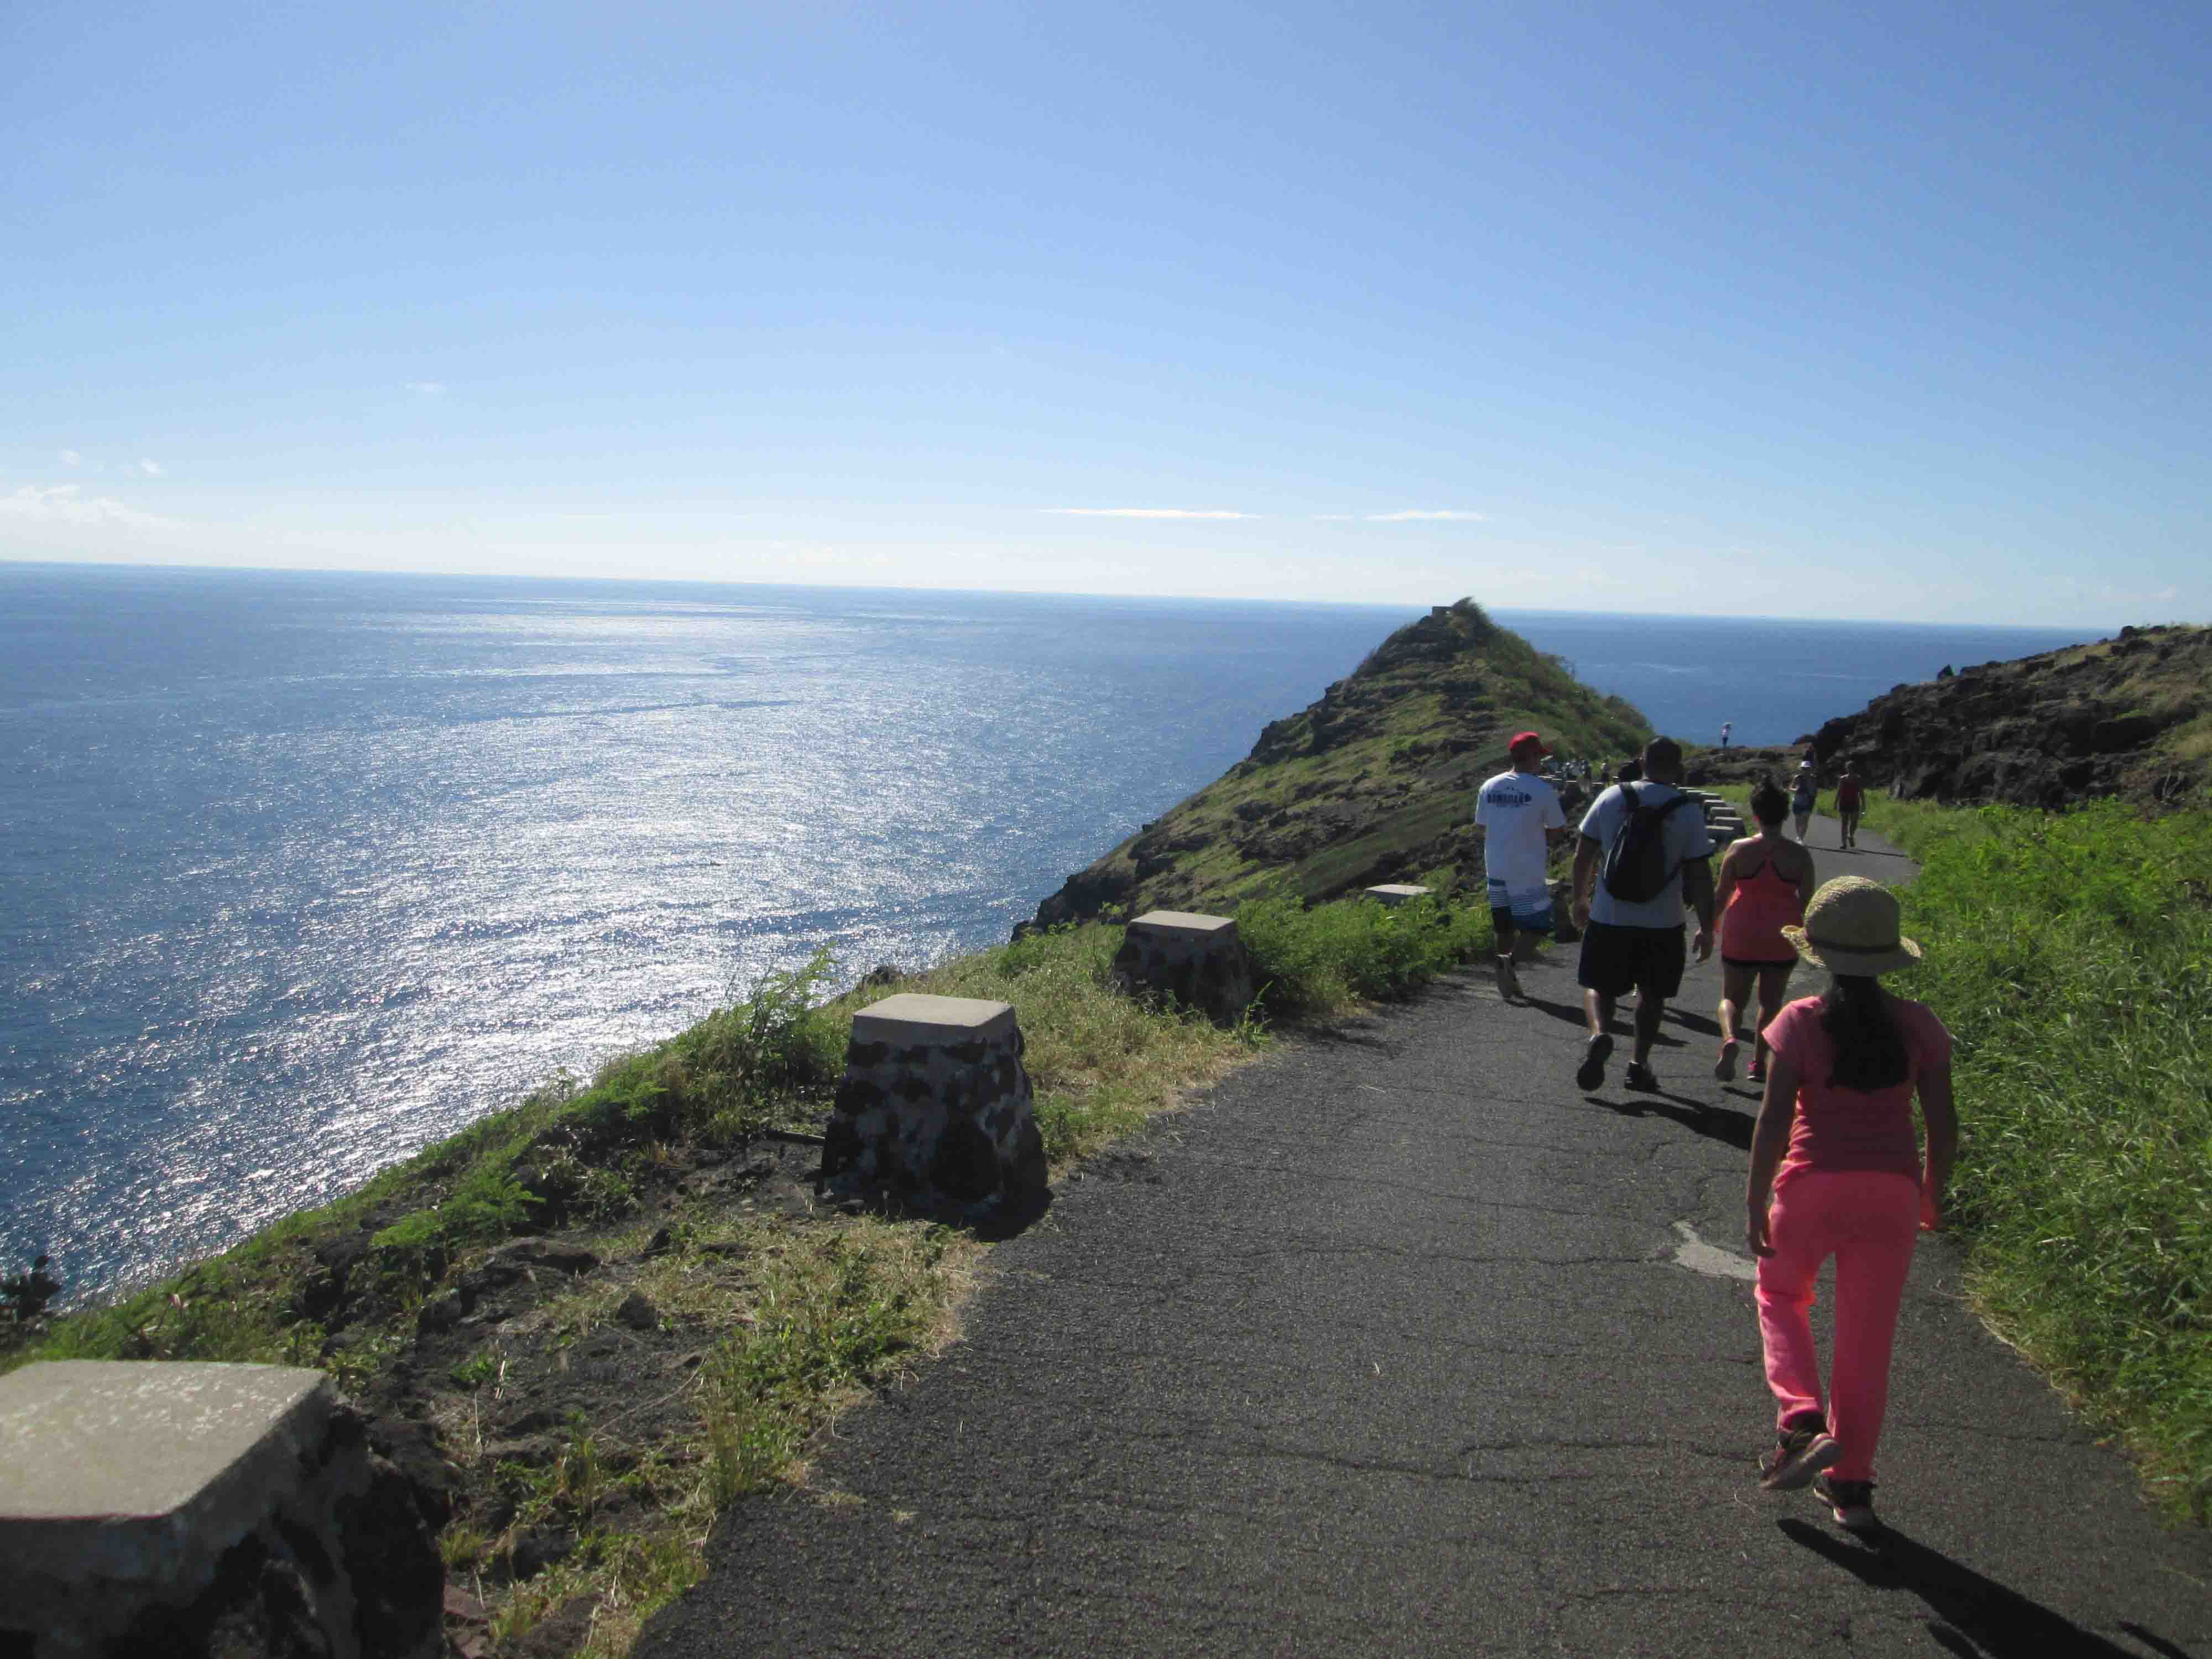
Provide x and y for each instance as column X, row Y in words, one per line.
column 1869, row 1220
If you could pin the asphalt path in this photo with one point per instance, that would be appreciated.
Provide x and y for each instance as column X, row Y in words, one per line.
column 1399, row 1343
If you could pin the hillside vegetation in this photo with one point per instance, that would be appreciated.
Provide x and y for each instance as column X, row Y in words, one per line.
column 1372, row 783
column 2069, row 953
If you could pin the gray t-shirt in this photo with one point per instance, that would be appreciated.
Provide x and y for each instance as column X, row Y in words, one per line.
column 1686, row 839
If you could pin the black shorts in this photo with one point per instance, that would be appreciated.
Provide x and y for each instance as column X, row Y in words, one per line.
column 1618, row 960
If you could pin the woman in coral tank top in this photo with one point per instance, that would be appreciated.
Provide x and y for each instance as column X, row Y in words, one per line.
column 1836, row 1171
column 1764, row 880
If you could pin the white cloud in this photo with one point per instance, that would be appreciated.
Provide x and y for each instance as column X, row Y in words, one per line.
column 70, row 457
column 65, row 504
column 1334, row 517
column 1150, row 512
column 427, row 388
column 151, row 469
column 1451, row 514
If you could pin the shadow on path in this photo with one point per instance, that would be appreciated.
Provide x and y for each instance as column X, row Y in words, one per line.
column 1715, row 1124
column 1976, row 1616
column 1569, row 1012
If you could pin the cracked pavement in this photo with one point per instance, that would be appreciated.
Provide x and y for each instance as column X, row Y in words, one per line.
column 1383, row 1347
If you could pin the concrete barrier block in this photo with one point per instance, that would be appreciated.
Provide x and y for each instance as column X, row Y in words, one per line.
column 1397, row 893
column 936, row 1107
column 1198, row 960
column 144, row 1504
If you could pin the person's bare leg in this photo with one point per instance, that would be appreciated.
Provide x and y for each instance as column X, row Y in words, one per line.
column 1736, row 991
column 1649, row 1004
column 1597, row 1013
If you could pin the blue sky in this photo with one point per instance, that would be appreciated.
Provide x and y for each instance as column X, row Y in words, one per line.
column 1879, row 311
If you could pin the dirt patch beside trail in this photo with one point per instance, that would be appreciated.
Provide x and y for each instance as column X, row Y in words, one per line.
column 546, row 1398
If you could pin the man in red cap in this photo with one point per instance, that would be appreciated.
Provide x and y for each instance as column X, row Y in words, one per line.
column 1519, row 818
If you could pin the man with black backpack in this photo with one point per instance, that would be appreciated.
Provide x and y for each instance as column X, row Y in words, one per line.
column 1641, row 856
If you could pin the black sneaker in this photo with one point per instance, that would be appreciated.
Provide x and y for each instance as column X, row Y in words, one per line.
column 1851, row 1502
column 1590, row 1074
column 1799, row 1455
column 1640, row 1076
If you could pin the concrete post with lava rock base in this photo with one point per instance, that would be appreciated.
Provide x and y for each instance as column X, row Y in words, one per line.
column 150, row 1508
column 936, row 1111
column 1198, row 961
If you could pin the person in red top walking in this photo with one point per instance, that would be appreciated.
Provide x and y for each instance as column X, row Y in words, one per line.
column 1836, row 1171
column 1765, row 883
column 1850, row 801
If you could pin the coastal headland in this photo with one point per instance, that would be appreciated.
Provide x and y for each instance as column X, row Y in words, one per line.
column 1368, row 784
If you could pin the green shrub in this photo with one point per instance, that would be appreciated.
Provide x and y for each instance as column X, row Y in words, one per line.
column 732, row 1068
column 1313, row 961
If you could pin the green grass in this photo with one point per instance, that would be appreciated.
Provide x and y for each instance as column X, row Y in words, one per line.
column 2071, row 956
column 1319, row 961
column 1100, row 1063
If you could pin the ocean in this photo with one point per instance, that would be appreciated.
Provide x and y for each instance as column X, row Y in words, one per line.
column 300, row 871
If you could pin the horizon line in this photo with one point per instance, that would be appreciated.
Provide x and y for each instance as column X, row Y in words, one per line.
column 1049, row 593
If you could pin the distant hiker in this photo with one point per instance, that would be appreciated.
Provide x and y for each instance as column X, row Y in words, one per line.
column 1804, row 791
column 1727, row 726
column 1650, row 839
column 1764, row 881
column 1519, row 817
column 1839, row 1100
column 1850, row 801
column 1605, row 772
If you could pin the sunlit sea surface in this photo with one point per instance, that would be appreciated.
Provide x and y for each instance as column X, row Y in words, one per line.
column 298, row 873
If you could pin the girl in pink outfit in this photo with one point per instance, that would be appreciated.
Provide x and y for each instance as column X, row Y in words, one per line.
column 1836, row 1171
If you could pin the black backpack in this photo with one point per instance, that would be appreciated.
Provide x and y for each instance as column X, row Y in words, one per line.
column 1636, row 868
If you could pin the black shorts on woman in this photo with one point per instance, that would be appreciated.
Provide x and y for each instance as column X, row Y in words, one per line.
column 1616, row 960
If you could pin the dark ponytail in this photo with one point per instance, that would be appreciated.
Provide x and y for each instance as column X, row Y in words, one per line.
column 1869, row 1047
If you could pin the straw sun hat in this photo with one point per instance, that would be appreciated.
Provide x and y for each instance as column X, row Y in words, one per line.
column 1850, row 928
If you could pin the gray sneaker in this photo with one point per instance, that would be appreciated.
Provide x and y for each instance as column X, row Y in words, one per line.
column 1799, row 1455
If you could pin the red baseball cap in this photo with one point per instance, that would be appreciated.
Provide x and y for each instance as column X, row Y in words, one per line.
column 1523, row 738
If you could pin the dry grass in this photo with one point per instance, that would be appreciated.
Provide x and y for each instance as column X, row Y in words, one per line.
column 1102, row 1064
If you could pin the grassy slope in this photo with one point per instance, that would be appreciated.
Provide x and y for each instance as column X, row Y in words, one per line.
column 1374, row 779
column 2070, row 954
column 803, row 1316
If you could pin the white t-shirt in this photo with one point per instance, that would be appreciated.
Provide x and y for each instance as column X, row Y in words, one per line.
column 1514, row 809
column 1686, row 839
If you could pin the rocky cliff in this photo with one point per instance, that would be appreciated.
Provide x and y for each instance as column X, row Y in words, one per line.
column 1372, row 783
column 2129, row 716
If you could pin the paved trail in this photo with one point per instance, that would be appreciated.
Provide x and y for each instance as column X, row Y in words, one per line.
column 1400, row 1344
